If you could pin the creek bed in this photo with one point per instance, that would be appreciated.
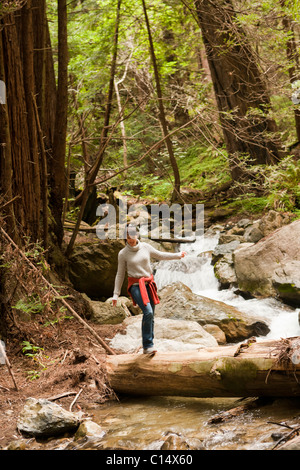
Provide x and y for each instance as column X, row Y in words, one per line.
column 143, row 423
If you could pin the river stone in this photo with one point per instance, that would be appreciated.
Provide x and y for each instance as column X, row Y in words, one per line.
column 253, row 233
column 272, row 221
column 42, row 418
column 225, row 272
column 89, row 429
column 286, row 282
column 104, row 313
column 223, row 249
column 170, row 335
column 272, row 262
column 177, row 301
column 216, row 332
column 175, row 442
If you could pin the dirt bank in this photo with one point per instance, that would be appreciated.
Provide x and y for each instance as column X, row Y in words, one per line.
column 69, row 361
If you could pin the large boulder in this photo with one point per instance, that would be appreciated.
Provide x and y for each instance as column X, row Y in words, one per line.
column 93, row 267
column 271, row 266
column 170, row 335
column 42, row 418
column 177, row 301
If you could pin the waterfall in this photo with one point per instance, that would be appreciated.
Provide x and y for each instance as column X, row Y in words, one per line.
column 196, row 271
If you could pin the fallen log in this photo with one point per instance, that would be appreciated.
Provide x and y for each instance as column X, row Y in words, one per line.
column 261, row 369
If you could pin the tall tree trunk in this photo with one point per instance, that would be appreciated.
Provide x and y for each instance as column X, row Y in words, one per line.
column 26, row 60
column 45, row 83
column 6, row 171
column 24, row 177
column 241, row 92
column 57, row 169
column 29, row 89
column 162, row 115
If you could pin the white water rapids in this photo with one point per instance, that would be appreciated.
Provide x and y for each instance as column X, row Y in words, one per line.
column 197, row 272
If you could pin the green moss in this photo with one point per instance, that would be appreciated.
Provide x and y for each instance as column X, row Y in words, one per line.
column 235, row 374
column 175, row 367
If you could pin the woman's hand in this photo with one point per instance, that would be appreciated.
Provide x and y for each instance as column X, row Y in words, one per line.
column 183, row 253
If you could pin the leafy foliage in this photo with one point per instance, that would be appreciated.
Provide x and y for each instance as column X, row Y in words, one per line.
column 187, row 90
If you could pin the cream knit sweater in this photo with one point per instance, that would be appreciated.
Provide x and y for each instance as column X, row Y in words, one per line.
column 136, row 260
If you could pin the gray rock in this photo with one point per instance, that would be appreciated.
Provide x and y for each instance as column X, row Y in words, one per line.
column 286, row 282
column 177, row 301
column 271, row 266
column 42, row 418
column 216, row 332
column 225, row 272
column 89, row 429
column 170, row 335
column 244, row 223
column 224, row 249
column 106, row 314
column 272, row 221
column 253, row 234
column 93, row 267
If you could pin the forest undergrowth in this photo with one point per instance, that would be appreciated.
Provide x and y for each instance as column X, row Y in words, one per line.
column 51, row 355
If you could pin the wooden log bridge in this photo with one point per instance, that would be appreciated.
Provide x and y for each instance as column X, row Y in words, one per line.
column 253, row 369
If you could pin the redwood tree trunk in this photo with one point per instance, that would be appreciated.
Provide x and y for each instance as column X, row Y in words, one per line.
column 241, row 92
column 26, row 67
column 23, row 177
column 29, row 89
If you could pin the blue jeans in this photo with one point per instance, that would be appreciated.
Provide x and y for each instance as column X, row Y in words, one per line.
column 148, row 315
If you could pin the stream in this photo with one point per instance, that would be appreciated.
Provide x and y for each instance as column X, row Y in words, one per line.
column 143, row 423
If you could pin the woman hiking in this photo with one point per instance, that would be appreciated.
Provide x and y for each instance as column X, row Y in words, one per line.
column 135, row 258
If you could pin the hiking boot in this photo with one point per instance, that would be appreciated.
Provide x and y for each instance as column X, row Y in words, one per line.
column 149, row 351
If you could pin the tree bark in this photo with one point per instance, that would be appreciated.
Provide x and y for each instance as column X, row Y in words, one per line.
column 45, row 84
column 29, row 89
column 241, row 92
column 209, row 372
column 23, row 177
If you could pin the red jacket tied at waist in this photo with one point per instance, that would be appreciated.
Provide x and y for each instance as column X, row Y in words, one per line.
column 143, row 289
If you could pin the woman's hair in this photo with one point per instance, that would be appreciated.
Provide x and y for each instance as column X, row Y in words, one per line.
column 131, row 231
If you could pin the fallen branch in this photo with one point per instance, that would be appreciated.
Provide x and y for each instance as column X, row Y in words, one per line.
column 61, row 395
column 60, row 298
column 75, row 399
column 251, row 404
